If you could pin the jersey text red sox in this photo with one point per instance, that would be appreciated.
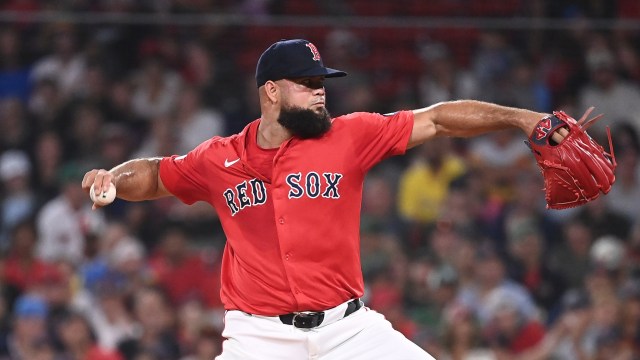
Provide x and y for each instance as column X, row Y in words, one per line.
column 253, row 192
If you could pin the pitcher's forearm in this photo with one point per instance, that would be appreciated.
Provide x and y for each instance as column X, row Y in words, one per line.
column 138, row 180
column 465, row 118
column 470, row 118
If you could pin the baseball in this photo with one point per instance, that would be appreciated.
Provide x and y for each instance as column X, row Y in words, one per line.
column 105, row 198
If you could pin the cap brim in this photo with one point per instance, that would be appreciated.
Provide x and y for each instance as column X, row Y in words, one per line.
column 334, row 73
column 324, row 71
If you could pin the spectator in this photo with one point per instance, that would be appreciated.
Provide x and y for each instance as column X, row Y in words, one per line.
column 571, row 258
column 575, row 318
column 54, row 287
column 418, row 293
column 630, row 317
column 127, row 259
column 443, row 286
column 377, row 251
column 65, row 64
column 603, row 220
column 464, row 263
column 529, row 266
column 80, row 140
column 492, row 283
column 346, row 50
column 248, row 107
column 526, row 206
column 120, row 258
column 600, row 337
column 462, row 336
column 509, row 331
column 444, row 242
column 46, row 104
column 15, row 125
column 94, row 88
column 18, row 200
column 48, row 156
column 356, row 95
column 115, row 144
column 28, row 335
column 14, row 72
column 606, row 91
column 524, row 88
column 564, row 339
column 102, row 301
column 195, row 123
column 378, row 210
column 65, row 222
column 120, row 109
column 462, row 209
column 442, row 80
column 629, row 59
column 78, row 341
column 156, row 89
column 207, row 345
column 501, row 157
column 161, row 139
column 492, row 62
column 386, row 294
column 21, row 267
column 213, row 77
column 633, row 252
column 180, row 271
column 424, row 185
column 625, row 196
column 155, row 336
column 609, row 346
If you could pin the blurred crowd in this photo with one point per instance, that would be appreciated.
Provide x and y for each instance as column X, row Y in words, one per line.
column 458, row 250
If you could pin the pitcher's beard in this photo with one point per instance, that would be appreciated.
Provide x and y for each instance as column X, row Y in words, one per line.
column 305, row 123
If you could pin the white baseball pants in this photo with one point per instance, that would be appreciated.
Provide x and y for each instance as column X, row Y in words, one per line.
column 363, row 335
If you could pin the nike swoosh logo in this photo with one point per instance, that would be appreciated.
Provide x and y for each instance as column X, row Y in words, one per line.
column 228, row 163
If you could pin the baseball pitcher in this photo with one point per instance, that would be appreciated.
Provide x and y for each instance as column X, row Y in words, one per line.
column 288, row 190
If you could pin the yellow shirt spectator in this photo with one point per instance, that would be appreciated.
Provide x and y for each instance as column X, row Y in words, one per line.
column 423, row 188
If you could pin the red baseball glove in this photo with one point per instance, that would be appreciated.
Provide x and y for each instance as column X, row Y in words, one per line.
column 575, row 170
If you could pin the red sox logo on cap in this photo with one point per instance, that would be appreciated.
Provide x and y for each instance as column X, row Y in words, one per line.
column 314, row 51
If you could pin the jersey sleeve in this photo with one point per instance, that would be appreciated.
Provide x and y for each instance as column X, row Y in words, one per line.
column 184, row 176
column 377, row 137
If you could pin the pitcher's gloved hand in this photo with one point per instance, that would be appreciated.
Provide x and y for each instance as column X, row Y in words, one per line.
column 576, row 169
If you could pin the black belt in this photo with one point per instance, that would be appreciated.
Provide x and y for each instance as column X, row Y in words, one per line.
column 308, row 320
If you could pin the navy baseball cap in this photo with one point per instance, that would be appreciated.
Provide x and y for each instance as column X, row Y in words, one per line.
column 292, row 59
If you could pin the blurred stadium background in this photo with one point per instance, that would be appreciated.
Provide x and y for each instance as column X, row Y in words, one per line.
column 458, row 250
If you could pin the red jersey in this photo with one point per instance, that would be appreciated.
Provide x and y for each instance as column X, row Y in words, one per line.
column 293, row 241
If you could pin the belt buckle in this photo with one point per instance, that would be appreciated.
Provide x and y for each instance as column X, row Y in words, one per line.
column 307, row 319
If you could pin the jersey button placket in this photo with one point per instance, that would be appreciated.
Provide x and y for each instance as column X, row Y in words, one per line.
column 281, row 220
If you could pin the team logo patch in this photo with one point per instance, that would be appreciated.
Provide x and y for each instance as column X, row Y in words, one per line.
column 542, row 130
column 314, row 51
